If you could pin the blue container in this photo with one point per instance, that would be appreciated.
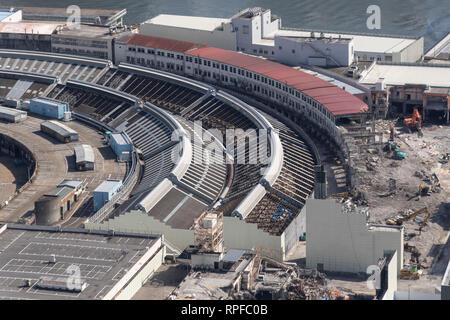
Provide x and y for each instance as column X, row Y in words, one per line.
column 119, row 144
column 48, row 107
column 105, row 192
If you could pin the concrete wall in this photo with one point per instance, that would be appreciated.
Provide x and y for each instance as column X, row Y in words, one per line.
column 445, row 285
column 241, row 235
column 391, row 278
column 343, row 242
column 405, row 295
column 295, row 53
column 295, row 230
column 133, row 280
column 139, row 279
column 412, row 53
column 138, row 222
column 220, row 39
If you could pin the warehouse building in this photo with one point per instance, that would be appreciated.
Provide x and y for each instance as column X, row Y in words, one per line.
column 12, row 115
column 105, row 192
column 121, row 146
column 59, row 131
column 112, row 266
column 48, row 107
column 84, row 157
column 54, row 206
column 256, row 31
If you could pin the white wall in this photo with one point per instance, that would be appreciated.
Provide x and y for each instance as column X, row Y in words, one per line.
column 241, row 235
column 220, row 39
column 269, row 26
column 342, row 242
column 392, row 278
column 295, row 53
column 138, row 222
column 15, row 17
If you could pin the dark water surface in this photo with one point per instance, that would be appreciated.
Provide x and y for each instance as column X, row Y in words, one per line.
column 429, row 18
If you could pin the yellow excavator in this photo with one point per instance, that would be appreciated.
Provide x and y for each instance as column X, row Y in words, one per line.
column 398, row 221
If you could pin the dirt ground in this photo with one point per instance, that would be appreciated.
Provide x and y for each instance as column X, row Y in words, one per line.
column 390, row 187
column 12, row 177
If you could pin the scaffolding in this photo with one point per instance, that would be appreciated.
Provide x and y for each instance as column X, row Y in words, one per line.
column 208, row 231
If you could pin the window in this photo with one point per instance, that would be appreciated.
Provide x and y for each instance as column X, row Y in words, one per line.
column 245, row 30
column 293, row 51
column 280, row 47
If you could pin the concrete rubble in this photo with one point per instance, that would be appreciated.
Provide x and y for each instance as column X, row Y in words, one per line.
column 391, row 187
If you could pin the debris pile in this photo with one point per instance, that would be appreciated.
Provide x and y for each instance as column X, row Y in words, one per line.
column 388, row 185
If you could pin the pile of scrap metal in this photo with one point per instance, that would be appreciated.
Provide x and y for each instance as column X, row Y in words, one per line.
column 283, row 281
column 444, row 158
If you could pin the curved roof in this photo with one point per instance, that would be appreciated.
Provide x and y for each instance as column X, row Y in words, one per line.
column 336, row 100
column 84, row 153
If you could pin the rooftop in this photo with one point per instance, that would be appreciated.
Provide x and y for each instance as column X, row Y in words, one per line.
column 28, row 27
column 336, row 100
column 119, row 138
column 84, row 153
column 60, row 192
column 102, row 259
column 362, row 42
column 441, row 50
column 107, row 185
column 70, row 183
column 60, row 14
column 160, row 43
column 400, row 74
column 92, row 31
column 50, row 101
column 11, row 111
column 59, row 127
column 344, row 86
column 188, row 22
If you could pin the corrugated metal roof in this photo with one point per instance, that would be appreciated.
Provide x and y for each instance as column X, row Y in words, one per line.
column 12, row 112
column 161, row 43
column 60, row 192
column 58, row 126
column 84, row 153
column 313, row 86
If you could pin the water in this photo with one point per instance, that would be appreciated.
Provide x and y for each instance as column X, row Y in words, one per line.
column 430, row 18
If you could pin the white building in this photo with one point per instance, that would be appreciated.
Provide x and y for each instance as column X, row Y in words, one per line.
column 215, row 32
column 256, row 31
column 340, row 239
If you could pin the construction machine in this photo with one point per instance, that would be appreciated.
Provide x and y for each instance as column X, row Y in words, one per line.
column 408, row 274
column 415, row 122
column 391, row 146
column 398, row 220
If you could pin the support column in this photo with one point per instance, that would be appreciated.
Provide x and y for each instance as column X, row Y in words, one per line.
column 424, row 99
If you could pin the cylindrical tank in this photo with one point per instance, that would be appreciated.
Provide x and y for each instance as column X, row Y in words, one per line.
column 47, row 210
